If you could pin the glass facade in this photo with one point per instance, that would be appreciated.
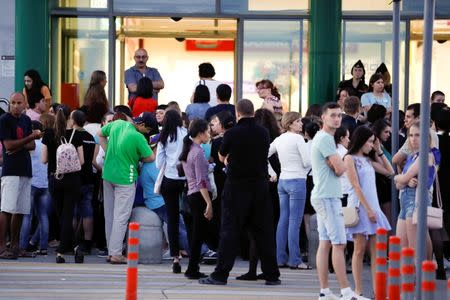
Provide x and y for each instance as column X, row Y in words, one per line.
column 164, row 6
column 268, row 37
column 283, row 7
column 281, row 41
column 371, row 42
column 79, row 47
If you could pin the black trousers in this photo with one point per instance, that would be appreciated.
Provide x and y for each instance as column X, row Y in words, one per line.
column 246, row 203
column 65, row 193
column 198, row 230
column 171, row 190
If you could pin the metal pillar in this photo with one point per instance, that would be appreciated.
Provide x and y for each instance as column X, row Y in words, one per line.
column 395, row 102
column 422, row 191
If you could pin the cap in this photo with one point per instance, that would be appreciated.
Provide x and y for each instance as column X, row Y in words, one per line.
column 381, row 69
column 147, row 118
column 154, row 139
column 358, row 64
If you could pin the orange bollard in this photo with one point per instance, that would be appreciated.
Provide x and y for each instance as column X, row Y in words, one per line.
column 394, row 268
column 448, row 289
column 428, row 280
column 408, row 272
column 381, row 264
column 133, row 256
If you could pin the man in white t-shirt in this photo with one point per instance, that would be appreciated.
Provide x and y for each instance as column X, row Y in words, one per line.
column 206, row 73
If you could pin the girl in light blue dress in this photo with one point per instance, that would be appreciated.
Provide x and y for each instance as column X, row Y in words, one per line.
column 364, row 157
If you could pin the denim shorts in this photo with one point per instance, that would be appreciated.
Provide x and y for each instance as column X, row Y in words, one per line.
column 83, row 208
column 408, row 203
column 330, row 220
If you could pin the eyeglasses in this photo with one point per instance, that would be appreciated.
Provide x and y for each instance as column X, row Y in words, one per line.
column 141, row 56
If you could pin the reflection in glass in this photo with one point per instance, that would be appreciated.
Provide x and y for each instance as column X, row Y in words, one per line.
column 79, row 47
column 371, row 42
column 272, row 51
column 164, row 6
column 440, row 76
column 264, row 6
column 81, row 3
column 176, row 50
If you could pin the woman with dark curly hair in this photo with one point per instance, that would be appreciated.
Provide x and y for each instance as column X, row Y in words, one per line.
column 35, row 89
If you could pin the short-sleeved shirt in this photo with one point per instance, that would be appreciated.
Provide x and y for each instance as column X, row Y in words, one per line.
column 370, row 99
column 87, row 172
column 52, row 145
column 212, row 85
column 326, row 183
column 197, row 110
column 139, row 105
column 12, row 128
column 352, row 91
column 148, row 177
column 247, row 145
column 218, row 108
column 126, row 146
column 132, row 75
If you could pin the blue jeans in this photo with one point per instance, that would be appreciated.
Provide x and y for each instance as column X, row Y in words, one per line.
column 183, row 240
column 292, row 194
column 40, row 206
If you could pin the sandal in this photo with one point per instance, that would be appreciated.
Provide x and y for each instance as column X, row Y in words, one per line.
column 301, row 266
column 24, row 253
column 8, row 254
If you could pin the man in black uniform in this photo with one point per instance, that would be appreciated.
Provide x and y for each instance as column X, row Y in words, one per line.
column 245, row 200
column 355, row 86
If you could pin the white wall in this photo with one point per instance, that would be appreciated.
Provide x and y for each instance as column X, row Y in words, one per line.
column 7, row 47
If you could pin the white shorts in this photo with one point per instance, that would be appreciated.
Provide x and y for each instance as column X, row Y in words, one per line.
column 330, row 220
column 16, row 195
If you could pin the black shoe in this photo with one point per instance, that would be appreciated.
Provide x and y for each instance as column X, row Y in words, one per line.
column 440, row 274
column 60, row 259
column 247, row 277
column 273, row 282
column 79, row 256
column 195, row 275
column 212, row 281
column 176, row 268
column 261, row 276
column 31, row 248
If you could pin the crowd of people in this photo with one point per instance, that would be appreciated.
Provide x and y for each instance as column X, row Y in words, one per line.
column 226, row 179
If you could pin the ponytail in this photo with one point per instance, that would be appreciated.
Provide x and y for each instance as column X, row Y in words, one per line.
column 275, row 92
column 187, row 143
column 62, row 115
column 197, row 127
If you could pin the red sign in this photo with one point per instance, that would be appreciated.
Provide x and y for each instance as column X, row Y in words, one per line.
column 209, row 45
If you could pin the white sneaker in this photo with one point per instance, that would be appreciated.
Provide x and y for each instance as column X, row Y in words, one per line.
column 352, row 296
column 362, row 298
column 329, row 297
column 166, row 255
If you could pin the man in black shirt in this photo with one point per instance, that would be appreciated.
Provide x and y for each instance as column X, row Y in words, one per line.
column 355, row 86
column 223, row 92
column 17, row 140
column 245, row 200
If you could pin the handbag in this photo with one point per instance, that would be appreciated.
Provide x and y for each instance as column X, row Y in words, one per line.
column 157, row 188
column 351, row 216
column 434, row 214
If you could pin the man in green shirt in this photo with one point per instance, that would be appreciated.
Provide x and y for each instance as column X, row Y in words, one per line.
column 125, row 145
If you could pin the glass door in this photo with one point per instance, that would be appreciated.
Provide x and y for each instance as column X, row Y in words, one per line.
column 274, row 50
column 176, row 46
column 79, row 47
